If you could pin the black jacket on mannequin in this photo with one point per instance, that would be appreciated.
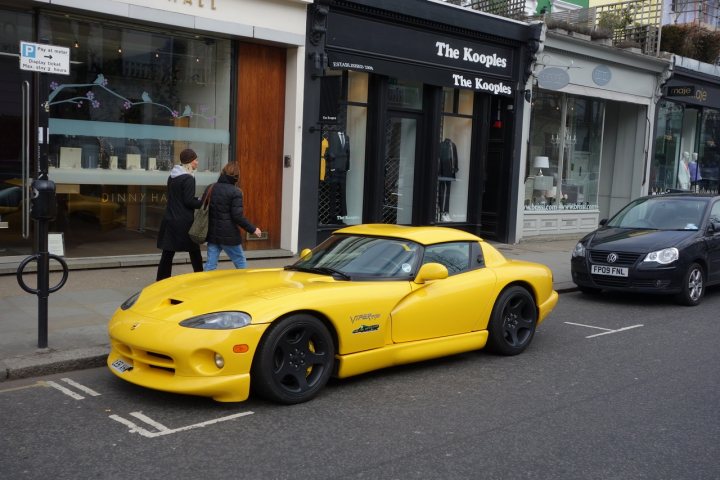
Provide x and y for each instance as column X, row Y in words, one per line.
column 226, row 213
column 448, row 159
column 337, row 155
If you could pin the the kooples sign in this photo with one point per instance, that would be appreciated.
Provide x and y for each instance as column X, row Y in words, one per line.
column 389, row 48
column 479, row 83
column 469, row 55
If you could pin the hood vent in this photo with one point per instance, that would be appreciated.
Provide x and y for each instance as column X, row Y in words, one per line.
column 174, row 301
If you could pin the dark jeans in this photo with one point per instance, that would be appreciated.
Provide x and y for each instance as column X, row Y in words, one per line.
column 166, row 262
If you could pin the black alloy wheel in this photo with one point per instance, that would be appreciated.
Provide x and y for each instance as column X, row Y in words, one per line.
column 513, row 321
column 294, row 361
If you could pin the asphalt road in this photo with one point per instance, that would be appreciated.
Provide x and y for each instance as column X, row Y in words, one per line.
column 613, row 387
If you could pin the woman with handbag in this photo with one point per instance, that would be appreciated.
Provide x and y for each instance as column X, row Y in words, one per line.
column 179, row 214
column 226, row 219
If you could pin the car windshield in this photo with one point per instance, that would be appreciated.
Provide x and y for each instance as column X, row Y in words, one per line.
column 352, row 256
column 661, row 213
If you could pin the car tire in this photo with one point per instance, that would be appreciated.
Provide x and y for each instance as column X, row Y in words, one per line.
column 693, row 286
column 512, row 322
column 294, row 361
column 589, row 290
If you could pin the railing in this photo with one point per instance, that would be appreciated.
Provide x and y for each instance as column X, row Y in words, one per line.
column 631, row 24
column 627, row 24
column 705, row 13
column 504, row 8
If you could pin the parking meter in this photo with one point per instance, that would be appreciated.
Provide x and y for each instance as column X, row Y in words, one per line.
column 43, row 205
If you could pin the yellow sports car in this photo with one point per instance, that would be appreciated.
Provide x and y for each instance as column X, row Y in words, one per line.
column 369, row 297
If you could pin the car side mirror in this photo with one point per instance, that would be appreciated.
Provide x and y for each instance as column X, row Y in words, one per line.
column 603, row 222
column 714, row 227
column 305, row 253
column 431, row 271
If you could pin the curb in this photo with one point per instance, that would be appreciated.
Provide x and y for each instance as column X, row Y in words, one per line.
column 48, row 361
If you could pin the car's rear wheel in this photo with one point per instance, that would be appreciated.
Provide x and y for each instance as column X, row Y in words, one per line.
column 513, row 321
column 294, row 361
column 693, row 286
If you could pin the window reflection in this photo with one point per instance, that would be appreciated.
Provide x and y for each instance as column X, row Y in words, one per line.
column 454, row 156
column 564, row 162
column 133, row 100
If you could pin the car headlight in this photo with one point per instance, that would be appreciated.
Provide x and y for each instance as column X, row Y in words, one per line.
column 218, row 321
column 664, row 256
column 579, row 250
column 130, row 301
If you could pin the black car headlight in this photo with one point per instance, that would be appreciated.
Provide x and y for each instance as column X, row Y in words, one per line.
column 579, row 250
column 663, row 257
column 218, row 321
column 130, row 301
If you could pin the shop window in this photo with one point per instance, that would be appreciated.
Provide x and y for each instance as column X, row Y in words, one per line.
column 454, row 156
column 405, row 94
column 342, row 159
column 686, row 154
column 133, row 101
column 357, row 87
column 564, row 161
column 705, row 176
column 668, row 161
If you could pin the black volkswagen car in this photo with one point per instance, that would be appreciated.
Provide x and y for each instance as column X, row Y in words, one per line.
column 667, row 244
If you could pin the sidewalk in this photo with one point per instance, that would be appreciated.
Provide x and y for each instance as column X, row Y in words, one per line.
column 78, row 313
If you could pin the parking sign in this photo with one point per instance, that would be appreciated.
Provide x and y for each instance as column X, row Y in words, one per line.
column 38, row 57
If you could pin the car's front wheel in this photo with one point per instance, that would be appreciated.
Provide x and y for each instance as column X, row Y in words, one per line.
column 693, row 286
column 294, row 361
column 513, row 321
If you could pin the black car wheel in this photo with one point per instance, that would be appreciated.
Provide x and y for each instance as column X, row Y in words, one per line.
column 513, row 321
column 295, row 360
column 693, row 286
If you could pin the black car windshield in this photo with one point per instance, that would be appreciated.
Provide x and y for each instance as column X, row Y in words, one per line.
column 356, row 257
column 661, row 213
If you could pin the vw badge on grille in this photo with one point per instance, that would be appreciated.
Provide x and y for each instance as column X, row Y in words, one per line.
column 612, row 258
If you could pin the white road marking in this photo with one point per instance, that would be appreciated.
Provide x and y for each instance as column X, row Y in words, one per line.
column 607, row 330
column 588, row 326
column 80, row 387
column 614, row 331
column 134, row 428
column 64, row 390
column 140, row 416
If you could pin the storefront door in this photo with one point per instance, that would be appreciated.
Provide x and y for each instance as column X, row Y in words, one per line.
column 401, row 148
column 15, row 111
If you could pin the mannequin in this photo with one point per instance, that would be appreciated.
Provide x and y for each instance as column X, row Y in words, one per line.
column 337, row 161
column 684, row 172
column 447, row 168
column 694, row 170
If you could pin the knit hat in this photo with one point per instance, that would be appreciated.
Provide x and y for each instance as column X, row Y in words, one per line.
column 187, row 156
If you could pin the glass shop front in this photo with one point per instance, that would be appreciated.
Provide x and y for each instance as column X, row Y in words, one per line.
column 134, row 99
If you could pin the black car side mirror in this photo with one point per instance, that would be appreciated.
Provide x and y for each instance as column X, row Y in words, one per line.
column 603, row 222
column 714, row 227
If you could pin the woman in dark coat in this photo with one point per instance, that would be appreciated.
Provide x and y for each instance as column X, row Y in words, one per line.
column 226, row 219
column 179, row 214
